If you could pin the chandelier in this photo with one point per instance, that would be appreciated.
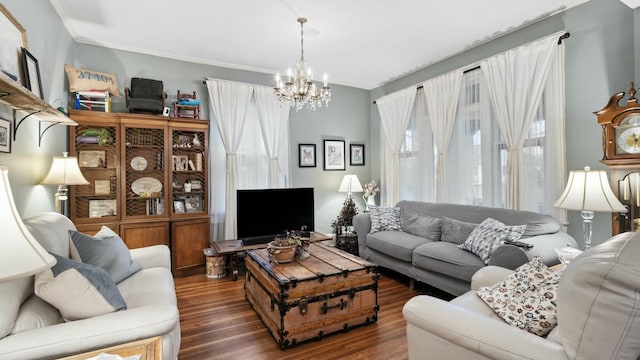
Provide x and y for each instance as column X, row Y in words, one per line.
column 299, row 89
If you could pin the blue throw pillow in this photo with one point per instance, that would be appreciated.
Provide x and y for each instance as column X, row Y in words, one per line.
column 78, row 290
column 106, row 250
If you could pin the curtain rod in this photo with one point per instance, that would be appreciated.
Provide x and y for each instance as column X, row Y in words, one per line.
column 562, row 37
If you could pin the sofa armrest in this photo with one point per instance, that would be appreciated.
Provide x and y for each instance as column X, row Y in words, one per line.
column 89, row 334
column 491, row 338
column 508, row 256
column 488, row 276
column 362, row 226
column 152, row 256
column 545, row 246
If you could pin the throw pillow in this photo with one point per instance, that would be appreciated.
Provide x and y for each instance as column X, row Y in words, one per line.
column 489, row 235
column 527, row 298
column 384, row 218
column 106, row 250
column 455, row 231
column 420, row 225
column 78, row 290
column 87, row 80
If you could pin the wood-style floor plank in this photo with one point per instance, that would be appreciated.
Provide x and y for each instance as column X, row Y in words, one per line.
column 217, row 322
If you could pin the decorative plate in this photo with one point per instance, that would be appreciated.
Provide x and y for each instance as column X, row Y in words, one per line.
column 138, row 163
column 146, row 185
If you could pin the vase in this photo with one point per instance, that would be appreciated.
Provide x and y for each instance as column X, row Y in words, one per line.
column 281, row 253
column 371, row 201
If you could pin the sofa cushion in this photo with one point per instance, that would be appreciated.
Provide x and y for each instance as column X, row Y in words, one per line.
column 599, row 311
column 384, row 218
column 78, row 290
column 36, row 313
column 12, row 294
column 489, row 235
column 151, row 286
column 106, row 250
column 420, row 225
column 445, row 258
column 396, row 244
column 527, row 298
column 456, row 231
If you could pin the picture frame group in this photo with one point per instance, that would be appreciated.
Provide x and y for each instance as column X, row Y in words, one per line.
column 334, row 155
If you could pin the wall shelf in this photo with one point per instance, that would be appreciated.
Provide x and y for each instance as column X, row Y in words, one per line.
column 18, row 97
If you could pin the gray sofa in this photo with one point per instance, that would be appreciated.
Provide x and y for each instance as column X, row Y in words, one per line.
column 32, row 329
column 433, row 257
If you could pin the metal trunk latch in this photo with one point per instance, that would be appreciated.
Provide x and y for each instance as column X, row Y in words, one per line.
column 303, row 306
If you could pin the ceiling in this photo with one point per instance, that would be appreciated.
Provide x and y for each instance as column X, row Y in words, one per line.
column 359, row 43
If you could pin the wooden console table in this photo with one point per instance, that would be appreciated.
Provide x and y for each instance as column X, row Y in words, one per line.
column 228, row 248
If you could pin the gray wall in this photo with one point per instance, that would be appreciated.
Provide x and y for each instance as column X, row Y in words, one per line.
column 28, row 163
column 599, row 62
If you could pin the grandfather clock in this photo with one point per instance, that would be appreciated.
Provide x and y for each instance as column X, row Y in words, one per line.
column 621, row 153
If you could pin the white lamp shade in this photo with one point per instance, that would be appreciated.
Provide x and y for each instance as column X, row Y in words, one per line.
column 588, row 190
column 64, row 171
column 20, row 254
column 350, row 183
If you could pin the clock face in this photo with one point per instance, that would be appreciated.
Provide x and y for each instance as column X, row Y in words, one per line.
column 628, row 140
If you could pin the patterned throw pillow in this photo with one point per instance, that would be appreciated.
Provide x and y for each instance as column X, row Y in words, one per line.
column 527, row 298
column 384, row 218
column 489, row 235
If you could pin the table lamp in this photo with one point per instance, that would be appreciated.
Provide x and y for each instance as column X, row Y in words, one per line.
column 64, row 171
column 350, row 184
column 21, row 253
column 589, row 191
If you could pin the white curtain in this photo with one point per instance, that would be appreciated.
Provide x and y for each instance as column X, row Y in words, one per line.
column 274, row 123
column 515, row 80
column 442, row 94
column 229, row 103
column 555, row 147
column 395, row 112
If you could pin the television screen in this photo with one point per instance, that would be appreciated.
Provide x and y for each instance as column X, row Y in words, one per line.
column 263, row 214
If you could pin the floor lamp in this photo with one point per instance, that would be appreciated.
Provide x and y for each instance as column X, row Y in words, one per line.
column 64, row 171
column 589, row 191
column 21, row 253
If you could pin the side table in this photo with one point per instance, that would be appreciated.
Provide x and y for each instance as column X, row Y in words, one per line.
column 348, row 243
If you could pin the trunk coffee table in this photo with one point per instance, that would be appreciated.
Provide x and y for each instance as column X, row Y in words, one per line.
column 330, row 291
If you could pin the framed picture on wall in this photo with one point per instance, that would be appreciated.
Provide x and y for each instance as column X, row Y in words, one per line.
column 334, row 157
column 13, row 37
column 5, row 135
column 306, row 155
column 31, row 68
column 356, row 155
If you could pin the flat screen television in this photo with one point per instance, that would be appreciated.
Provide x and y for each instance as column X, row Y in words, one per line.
column 264, row 213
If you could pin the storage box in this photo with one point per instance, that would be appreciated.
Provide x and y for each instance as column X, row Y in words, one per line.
column 329, row 292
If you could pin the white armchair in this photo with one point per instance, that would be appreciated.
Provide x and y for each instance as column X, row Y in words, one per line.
column 597, row 308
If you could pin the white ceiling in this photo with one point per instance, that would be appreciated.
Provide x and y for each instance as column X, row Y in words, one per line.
column 360, row 43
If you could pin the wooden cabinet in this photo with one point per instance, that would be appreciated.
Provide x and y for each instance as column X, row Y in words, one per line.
column 148, row 181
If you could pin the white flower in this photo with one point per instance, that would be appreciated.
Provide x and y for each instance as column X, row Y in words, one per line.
column 370, row 189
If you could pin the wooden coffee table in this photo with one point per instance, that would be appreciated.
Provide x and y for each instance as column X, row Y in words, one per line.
column 228, row 248
column 329, row 292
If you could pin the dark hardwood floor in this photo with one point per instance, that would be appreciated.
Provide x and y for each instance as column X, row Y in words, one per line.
column 218, row 323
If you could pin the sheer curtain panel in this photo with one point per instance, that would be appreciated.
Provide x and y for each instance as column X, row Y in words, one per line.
column 515, row 81
column 442, row 94
column 395, row 112
column 274, row 123
column 229, row 103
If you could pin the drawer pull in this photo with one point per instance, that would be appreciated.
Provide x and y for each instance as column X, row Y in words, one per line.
column 341, row 304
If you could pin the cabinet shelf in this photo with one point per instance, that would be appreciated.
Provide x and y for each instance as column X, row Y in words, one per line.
column 18, row 97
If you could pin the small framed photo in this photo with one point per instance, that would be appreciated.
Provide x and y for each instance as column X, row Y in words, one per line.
column 356, row 157
column 306, row 155
column 32, row 73
column 92, row 159
column 178, row 207
column 100, row 208
column 180, row 163
column 193, row 204
column 5, row 135
column 334, row 157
